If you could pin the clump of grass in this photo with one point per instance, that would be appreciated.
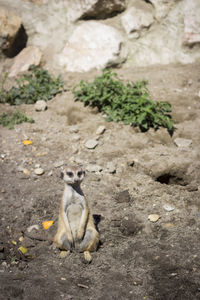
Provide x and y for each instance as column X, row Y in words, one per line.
column 37, row 84
column 130, row 103
column 17, row 117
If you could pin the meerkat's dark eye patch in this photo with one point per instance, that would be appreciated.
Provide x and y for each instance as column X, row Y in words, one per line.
column 70, row 174
column 80, row 173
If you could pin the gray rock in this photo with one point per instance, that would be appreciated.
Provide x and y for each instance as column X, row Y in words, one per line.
column 93, row 168
column 137, row 18
column 20, row 169
column 75, row 138
column 92, row 45
column 191, row 22
column 100, row 130
column 50, row 173
column 40, row 105
column 182, row 143
column 27, row 57
column 74, row 129
column 39, row 171
column 110, row 167
column 168, row 207
column 58, row 164
column 33, row 227
column 91, row 144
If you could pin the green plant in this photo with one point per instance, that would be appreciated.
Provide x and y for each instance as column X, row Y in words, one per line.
column 130, row 103
column 17, row 117
column 37, row 84
column 2, row 89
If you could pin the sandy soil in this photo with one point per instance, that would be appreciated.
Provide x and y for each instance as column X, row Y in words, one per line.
column 137, row 259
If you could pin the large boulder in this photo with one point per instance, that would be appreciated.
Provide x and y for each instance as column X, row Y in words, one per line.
column 27, row 57
column 92, row 45
column 191, row 22
column 162, row 7
column 13, row 37
column 137, row 17
column 93, row 9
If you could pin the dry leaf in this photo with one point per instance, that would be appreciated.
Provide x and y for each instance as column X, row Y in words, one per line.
column 27, row 142
column 14, row 242
column 47, row 224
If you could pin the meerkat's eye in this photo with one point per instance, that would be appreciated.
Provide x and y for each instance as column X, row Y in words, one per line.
column 80, row 173
column 70, row 174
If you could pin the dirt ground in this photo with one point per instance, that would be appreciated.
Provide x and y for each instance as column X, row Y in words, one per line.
column 137, row 259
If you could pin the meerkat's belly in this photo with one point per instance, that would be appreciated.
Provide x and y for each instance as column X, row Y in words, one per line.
column 74, row 213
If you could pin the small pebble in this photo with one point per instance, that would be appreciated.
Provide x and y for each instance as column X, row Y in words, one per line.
column 39, row 171
column 180, row 142
column 32, row 227
column 74, row 129
column 93, row 168
column 110, row 168
column 20, row 169
column 153, row 218
column 40, row 105
column 58, row 164
column 91, row 144
column 190, row 82
column 26, row 171
column 100, row 130
column 168, row 207
column 76, row 138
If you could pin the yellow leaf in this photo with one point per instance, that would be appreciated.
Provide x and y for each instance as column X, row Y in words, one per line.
column 27, row 142
column 13, row 242
column 47, row 224
column 23, row 250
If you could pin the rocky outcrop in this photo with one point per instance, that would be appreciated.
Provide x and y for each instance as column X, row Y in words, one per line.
column 27, row 57
column 191, row 22
column 137, row 17
column 92, row 45
column 93, row 9
column 152, row 31
column 13, row 37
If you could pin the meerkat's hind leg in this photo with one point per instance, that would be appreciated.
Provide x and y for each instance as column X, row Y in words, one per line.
column 63, row 243
column 90, row 241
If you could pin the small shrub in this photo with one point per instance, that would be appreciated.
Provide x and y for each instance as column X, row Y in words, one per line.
column 37, row 84
column 17, row 117
column 130, row 103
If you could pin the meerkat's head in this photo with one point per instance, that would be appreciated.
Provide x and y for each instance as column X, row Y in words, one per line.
column 73, row 175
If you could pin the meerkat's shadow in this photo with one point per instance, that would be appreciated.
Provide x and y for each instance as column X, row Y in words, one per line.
column 97, row 220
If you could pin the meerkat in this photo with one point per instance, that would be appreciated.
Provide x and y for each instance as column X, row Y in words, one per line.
column 76, row 229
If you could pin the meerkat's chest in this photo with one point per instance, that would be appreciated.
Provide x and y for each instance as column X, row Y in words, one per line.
column 74, row 207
